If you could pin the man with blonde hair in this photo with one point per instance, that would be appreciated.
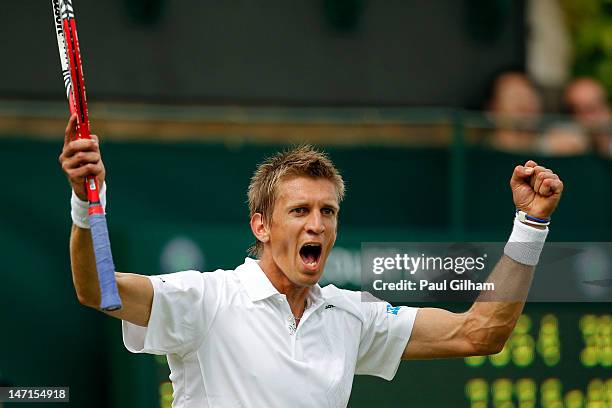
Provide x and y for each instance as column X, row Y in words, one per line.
column 266, row 334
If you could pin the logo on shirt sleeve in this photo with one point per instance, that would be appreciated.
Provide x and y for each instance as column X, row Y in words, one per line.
column 393, row 310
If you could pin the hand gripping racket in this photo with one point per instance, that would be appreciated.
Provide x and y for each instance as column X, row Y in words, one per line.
column 72, row 73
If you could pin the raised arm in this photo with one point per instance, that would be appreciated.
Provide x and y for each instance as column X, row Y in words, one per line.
column 482, row 330
column 79, row 159
column 487, row 325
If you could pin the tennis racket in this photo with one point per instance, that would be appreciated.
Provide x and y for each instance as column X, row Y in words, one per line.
column 72, row 74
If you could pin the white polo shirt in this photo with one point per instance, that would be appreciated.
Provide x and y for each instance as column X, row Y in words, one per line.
column 231, row 341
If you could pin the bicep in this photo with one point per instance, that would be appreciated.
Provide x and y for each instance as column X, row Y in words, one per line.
column 438, row 333
column 136, row 292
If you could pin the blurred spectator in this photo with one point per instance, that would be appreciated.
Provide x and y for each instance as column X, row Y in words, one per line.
column 516, row 109
column 587, row 102
column 515, row 106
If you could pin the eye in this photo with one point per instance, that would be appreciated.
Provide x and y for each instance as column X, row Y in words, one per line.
column 328, row 211
column 299, row 210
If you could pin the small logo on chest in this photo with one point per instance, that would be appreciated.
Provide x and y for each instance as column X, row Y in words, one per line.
column 393, row 310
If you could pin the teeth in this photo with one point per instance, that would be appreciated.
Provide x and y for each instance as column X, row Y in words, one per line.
column 311, row 260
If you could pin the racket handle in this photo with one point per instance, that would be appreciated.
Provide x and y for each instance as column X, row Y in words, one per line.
column 109, row 293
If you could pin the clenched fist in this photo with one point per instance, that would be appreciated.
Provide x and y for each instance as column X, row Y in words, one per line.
column 81, row 158
column 535, row 189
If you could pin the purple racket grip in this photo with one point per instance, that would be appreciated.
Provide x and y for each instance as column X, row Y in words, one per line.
column 109, row 293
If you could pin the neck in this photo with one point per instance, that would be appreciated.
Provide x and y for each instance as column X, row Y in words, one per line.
column 296, row 295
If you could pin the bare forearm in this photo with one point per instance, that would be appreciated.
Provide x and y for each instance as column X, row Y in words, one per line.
column 84, row 273
column 483, row 329
column 494, row 314
column 136, row 291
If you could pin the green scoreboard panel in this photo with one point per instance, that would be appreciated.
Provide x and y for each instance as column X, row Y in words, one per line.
column 559, row 356
column 551, row 360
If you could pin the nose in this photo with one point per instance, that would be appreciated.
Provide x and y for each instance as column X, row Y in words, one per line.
column 314, row 223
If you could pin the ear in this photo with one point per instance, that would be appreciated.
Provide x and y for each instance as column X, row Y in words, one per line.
column 259, row 228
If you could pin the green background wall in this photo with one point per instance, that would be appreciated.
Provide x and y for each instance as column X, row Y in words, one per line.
column 161, row 192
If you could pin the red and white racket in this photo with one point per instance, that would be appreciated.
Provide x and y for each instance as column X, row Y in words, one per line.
column 72, row 74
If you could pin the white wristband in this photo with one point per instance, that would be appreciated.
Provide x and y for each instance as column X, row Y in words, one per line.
column 525, row 243
column 79, row 209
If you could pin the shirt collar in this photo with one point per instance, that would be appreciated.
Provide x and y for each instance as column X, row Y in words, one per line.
column 255, row 281
column 259, row 287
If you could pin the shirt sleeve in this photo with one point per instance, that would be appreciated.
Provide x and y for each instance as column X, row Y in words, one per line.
column 385, row 333
column 184, row 304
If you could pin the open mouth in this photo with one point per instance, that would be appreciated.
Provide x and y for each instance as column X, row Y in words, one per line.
column 310, row 254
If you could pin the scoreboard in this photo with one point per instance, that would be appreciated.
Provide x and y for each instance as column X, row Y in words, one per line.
column 559, row 356
column 540, row 348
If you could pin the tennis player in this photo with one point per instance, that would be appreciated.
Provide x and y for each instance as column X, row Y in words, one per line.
column 266, row 334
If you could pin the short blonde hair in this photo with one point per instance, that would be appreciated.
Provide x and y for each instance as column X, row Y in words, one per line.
column 303, row 160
